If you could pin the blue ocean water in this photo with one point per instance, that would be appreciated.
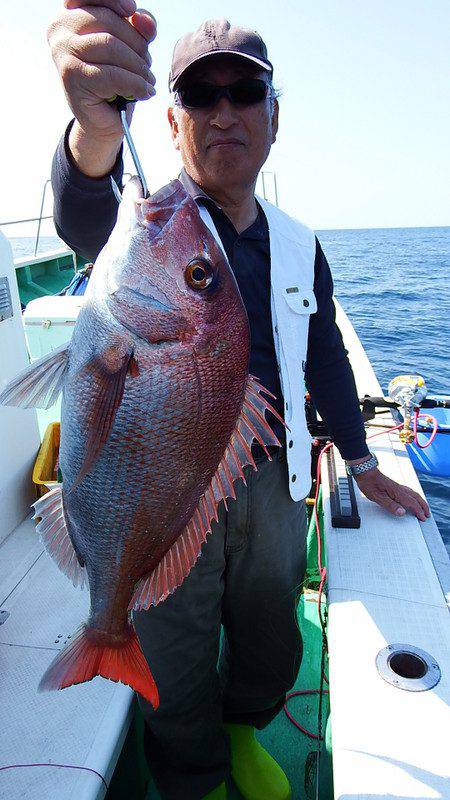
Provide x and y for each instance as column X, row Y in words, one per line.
column 394, row 284
column 24, row 245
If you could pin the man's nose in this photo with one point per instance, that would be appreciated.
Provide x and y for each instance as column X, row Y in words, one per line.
column 224, row 114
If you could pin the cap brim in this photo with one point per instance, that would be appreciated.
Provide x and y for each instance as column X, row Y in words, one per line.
column 253, row 59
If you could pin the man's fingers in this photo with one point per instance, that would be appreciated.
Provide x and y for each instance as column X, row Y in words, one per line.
column 123, row 7
column 102, row 48
column 400, row 507
column 141, row 19
column 418, row 502
column 393, row 496
column 411, row 501
column 89, row 19
column 108, row 80
column 393, row 506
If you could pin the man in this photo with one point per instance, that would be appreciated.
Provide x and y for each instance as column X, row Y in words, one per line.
column 223, row 120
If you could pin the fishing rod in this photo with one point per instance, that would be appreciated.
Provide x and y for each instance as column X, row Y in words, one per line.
column 373, row 405
column 407, row 396
column 409, row 403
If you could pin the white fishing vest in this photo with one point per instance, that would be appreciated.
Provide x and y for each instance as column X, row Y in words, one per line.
column 292, row 256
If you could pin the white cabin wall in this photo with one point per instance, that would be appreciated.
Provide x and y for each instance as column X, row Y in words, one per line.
column 19, row 433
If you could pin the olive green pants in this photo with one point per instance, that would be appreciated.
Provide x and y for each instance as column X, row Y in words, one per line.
column 247, row 579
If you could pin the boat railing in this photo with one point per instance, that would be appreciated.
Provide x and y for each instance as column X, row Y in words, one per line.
column 41, row 216
column 38, row 219
column 36, row 244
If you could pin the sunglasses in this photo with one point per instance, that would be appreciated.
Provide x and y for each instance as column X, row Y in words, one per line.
column 244, row 92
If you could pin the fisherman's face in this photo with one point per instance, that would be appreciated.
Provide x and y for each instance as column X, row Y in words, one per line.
column 224, row 147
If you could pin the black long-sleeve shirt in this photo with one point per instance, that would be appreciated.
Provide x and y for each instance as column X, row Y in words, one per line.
column 85, row 212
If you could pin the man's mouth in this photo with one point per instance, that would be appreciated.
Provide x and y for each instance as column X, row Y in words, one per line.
column 225, row 143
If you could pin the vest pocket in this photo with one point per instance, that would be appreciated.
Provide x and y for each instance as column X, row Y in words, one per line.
column 300, row 301
column 300, row 304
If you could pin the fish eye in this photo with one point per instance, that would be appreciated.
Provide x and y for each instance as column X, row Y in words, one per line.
column 199, row 273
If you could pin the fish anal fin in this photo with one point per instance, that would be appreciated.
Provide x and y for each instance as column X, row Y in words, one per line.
column 39, row 385
column 55, row 536
column 177, row 563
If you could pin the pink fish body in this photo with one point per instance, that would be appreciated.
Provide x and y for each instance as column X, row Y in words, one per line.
column 158, row 417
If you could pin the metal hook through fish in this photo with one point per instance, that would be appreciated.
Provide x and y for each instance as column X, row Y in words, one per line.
column 121, row 105
column 133, row 152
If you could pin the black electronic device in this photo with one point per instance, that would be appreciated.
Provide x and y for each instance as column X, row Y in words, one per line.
column 344, row 507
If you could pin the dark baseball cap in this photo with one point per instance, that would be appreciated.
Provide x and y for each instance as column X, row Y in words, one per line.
column 217, row 37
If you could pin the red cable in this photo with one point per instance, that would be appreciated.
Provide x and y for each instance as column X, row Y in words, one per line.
column 293, row 720
column 388, row 430
column 418, row 416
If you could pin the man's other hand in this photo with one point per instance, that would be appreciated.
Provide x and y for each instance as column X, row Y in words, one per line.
column 393, row 496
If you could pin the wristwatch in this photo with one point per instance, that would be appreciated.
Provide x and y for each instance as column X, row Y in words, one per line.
column 359, row 469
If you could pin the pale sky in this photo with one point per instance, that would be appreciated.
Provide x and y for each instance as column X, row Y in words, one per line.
column 364, row 123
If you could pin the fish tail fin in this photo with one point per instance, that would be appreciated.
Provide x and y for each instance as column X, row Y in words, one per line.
column 83, row 659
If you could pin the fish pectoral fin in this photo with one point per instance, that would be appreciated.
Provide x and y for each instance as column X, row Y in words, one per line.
column 40, row 383
column 108, row 372
column 177, row 563
column 55, row 536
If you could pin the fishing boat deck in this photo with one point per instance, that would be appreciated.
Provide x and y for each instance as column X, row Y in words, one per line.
column 388, row 584
column 86, row 726
column 83, row 726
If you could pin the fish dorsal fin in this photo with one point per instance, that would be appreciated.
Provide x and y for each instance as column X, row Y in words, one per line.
column 55, row 536
column 39, row 384
column 175, row 566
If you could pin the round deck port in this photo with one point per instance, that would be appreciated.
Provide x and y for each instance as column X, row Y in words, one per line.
column 408, row 667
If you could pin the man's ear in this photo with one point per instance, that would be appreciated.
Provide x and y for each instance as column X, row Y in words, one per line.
column 171, row 116
column 275, row 112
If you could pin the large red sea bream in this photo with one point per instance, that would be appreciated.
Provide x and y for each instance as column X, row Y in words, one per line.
column 158, row 417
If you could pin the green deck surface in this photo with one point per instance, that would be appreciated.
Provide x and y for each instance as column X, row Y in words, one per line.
column 45, row 278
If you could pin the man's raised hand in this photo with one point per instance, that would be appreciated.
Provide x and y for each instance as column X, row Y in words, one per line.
column 100, row 49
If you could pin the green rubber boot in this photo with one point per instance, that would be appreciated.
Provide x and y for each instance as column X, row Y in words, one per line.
column 219, row 793
column 256, row 774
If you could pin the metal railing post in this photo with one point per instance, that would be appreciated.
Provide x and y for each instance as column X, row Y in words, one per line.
column 275, row 188
column 40, row 216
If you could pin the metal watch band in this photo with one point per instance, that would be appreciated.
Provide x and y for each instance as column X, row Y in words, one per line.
column 364, row 466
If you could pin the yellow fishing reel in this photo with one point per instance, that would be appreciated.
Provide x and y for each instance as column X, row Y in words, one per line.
column 409, row 391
